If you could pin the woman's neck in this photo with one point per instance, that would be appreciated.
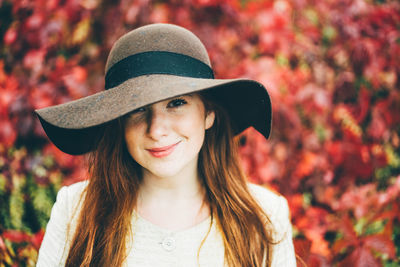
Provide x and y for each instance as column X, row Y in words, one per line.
column 174, row 203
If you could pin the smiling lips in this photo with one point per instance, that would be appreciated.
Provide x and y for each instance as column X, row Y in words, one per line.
column 160, row 152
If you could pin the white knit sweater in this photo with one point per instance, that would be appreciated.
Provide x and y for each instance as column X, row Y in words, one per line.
column 153, row 246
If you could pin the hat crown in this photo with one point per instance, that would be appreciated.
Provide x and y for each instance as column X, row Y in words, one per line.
column 157, row 37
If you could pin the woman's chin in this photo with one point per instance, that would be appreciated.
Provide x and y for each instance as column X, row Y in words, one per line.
column 162, row 172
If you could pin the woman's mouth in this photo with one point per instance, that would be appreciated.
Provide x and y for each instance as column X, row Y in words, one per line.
column 160, row 152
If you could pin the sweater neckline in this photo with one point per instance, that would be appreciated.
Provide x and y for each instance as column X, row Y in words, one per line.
column 195, row 228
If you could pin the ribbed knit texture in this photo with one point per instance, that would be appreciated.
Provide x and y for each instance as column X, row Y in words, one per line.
column 152, row 245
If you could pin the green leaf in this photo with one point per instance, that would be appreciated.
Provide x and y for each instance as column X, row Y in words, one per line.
column 16, row 209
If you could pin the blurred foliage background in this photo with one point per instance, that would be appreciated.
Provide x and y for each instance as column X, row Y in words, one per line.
column 331, row 67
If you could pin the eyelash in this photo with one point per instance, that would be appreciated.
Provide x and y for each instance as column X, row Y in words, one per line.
column 142, row 109
column 175, row 103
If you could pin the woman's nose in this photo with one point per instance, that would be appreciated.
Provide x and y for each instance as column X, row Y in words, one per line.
column 157, row 123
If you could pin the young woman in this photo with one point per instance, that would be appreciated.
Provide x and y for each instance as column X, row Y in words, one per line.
column 165, row 186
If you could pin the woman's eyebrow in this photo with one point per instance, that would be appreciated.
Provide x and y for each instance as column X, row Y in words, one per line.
column 180, row 96
column 188, row 95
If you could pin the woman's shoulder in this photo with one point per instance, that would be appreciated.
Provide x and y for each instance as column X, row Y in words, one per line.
column 263, row 193
column 270, row 200
column 76, row 188
column 70, row 196
column 274, row 205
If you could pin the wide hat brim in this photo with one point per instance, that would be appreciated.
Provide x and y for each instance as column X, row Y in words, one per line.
column 73, row 126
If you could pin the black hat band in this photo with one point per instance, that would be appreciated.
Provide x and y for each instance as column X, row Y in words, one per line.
column 156, row 62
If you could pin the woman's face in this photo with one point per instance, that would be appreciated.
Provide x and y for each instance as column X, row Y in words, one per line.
column 165, row 138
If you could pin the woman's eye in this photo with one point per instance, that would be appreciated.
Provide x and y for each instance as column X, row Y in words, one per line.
column 138, row 110
column 176, row 103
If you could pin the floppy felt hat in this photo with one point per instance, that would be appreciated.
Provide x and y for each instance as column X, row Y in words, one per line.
column 150, row 64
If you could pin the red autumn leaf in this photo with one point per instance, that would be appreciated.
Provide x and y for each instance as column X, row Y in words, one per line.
column 392, row 104
column 16, row 236
column 10, row 36
column 342, row 245
column 42, row 96
column 359, row 200
column 159, row 14
column 335, row 151
column 360, row 57
column 306, row 165
column 316, row 260
column 377, row 127
column 347, row 228
column 34, row 21
column 380, row 156
column 7, row 133
column 75, row 82
column 295, row 202
column 363, row 109
column 380, row 243
column 360, row 257
column 37, row 238
column 34, row 59
column 132, row 13
column 302, row 248
column 391, row 193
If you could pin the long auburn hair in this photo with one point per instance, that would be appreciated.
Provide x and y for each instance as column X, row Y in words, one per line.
column 104, row 222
